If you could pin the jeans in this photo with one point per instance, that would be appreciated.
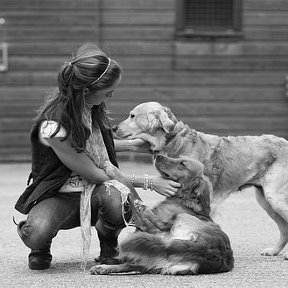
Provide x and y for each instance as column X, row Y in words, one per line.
column 62, row 212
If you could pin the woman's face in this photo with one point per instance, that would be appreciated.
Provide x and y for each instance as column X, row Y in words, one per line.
column 100, row 96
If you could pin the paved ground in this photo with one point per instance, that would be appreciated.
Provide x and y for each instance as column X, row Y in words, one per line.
column 247, row 225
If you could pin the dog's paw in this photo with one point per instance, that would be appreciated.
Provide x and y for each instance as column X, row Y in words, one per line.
column 140, row 206
column 99, row 270
column 181, row 269
column 270, row 252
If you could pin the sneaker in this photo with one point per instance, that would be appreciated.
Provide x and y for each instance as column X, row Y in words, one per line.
column 108, row 251
column 39, row 259
column 107, row 261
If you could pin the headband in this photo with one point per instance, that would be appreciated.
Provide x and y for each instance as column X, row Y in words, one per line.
column 108, row 65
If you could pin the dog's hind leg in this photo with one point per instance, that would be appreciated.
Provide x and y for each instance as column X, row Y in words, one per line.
column 181, row 269
column 279, row 220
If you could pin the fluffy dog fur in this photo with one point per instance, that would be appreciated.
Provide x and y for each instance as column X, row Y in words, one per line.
column 177, row 237
column 231, row 163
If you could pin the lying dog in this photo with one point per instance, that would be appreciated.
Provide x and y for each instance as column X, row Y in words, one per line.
column 178, row 237
column 231, row 163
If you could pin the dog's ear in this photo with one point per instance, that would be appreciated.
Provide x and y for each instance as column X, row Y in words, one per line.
column 170, row 114
column 161, row 118
column 165, row 118
column 154, row 122
column 201, row 189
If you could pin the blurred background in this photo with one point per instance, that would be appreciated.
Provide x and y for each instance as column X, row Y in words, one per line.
column 220, row 65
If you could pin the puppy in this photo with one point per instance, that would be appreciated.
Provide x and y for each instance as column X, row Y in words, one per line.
column 177, row 237
column 230, row 163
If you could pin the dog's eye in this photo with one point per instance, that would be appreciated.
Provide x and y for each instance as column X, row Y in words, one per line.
column 182, row 164
column 132, row 116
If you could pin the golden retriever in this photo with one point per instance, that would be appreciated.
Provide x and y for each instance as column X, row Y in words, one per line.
column 177, row 236
column 231, row 163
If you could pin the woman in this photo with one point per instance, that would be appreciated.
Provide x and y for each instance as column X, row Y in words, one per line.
column 71, row 139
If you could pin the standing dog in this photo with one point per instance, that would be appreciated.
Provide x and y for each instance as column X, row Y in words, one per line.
column 231, row 163
column 177, row 237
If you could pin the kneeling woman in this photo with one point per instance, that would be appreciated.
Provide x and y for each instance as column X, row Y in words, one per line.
column 71, row 139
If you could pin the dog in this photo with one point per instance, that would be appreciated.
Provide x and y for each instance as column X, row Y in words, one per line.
column 231, row 163
column 177, row 236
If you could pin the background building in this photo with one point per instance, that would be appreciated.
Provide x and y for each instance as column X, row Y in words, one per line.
column 220, row 65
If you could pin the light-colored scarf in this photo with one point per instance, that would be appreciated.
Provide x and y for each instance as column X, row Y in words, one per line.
column 96, row 151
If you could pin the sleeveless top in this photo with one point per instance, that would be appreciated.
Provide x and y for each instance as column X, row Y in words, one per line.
column 97, row 152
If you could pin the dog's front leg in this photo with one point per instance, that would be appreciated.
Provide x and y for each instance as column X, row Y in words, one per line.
column 110, row 269
column 142, row 221
column 147, row 220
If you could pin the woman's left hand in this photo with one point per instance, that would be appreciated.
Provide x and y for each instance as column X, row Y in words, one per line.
column 165, row 187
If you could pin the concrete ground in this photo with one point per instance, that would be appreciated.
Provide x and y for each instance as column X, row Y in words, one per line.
column 249, row 228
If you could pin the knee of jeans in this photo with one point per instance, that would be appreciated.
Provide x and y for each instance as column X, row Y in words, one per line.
column 108, row 231
column 110, row 206
column 36, row 234
column 108, row 197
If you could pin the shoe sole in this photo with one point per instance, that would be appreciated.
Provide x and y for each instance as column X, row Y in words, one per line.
column 39, row 267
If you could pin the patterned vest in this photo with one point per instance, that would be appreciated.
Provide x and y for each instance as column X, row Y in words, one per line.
column 48, row 172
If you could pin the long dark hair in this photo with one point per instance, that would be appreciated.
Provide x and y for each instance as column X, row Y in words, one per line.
column 65, row 105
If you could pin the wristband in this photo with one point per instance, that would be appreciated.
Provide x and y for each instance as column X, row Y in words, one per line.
column 131, row 145
column 146, row 181
column 151, row 183
column 132, row 179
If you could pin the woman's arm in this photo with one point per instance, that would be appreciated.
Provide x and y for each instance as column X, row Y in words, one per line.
column 77, row 162
column 165, row 187
column 133, row 145
column 84, row 166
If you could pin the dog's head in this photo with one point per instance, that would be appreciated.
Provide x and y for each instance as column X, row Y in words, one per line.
column 195, row 187
column 146, row 121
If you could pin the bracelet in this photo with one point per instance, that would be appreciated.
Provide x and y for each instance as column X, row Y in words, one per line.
column 146, row 181
column 131, row 145
column 132, row 179
column 151, row 183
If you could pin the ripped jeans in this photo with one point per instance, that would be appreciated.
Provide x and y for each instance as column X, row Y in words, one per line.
column 62, row 212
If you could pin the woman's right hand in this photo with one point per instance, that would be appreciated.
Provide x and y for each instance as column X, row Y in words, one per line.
column 134, row 145
column 165, row 187
column 140, row 145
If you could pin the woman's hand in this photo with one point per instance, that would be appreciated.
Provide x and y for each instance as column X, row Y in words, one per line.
column 135, row 145
column 165, row 187
column 139, row 145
